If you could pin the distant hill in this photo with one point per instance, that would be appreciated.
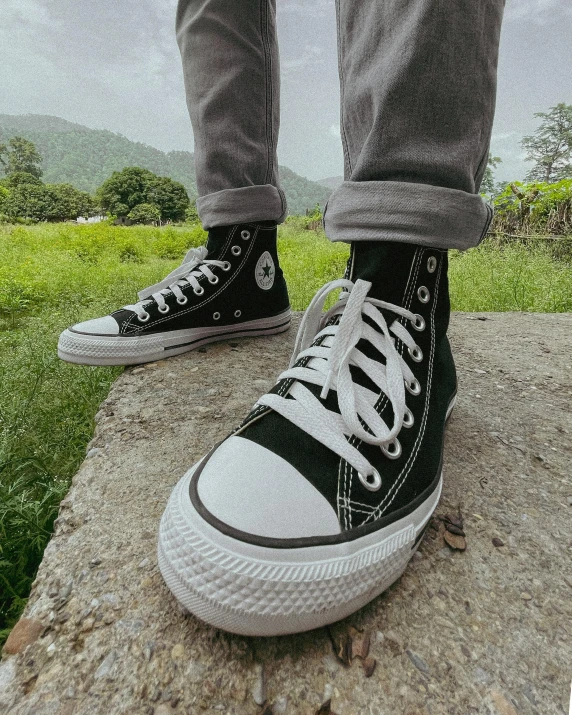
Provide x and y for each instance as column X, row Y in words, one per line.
column 332, row 182
column 85, row 157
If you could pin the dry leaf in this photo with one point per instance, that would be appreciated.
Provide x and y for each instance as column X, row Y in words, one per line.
column 455, row 541
column 368, row 665
column 360, row 645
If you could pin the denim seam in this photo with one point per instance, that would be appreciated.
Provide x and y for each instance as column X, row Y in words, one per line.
column 268, row 87
column 341, row 73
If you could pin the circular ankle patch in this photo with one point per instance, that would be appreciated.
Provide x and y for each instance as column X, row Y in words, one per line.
column 265, row 271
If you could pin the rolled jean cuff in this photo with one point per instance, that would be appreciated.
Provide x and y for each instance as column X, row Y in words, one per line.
column 248, row 203
column 422, row 214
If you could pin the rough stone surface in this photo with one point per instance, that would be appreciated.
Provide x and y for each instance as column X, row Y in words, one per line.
column 486, row 630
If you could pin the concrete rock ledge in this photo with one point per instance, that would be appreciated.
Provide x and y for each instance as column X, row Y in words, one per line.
column 486, row 630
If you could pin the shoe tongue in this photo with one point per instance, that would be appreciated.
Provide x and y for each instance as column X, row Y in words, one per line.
column 216, row 240
column 386, row 264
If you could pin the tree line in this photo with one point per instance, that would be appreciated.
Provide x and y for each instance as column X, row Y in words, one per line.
column 133, row 194
column 138, row 195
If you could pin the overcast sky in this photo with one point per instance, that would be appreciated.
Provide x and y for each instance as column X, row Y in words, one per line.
column 116, row 65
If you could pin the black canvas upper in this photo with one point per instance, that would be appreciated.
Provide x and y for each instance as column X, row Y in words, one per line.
column 236, row 298
column 397, row 272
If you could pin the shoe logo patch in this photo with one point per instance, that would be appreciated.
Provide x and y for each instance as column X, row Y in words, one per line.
column 265, row 271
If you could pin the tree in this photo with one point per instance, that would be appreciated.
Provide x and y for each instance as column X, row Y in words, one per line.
column 169, row 196
column 550, row 147
column 191, row 213
column 145, row 213
column 20, row 155
column 27, row 200
column 66, row 202
column 488, row 182
column 126, row 189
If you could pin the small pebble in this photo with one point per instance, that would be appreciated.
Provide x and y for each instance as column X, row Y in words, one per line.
column 497, row 542
column 137, row 370
column 259, row 690
column 526, row 596
column 418, row 662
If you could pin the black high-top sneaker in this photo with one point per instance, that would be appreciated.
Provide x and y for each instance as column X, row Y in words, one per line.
column 316, row 503
column 232, row 287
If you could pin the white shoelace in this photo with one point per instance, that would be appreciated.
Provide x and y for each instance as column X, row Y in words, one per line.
column 329, row 367
column 194, row 265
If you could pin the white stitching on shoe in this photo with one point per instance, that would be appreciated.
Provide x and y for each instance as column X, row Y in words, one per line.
column 411, row 460
column 249, row 249
column 355, row 441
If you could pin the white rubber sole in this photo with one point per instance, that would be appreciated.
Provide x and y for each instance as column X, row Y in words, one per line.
column 258, row 591
column 84, row 349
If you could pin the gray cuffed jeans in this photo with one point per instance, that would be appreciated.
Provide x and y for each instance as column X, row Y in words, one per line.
column 417, row 88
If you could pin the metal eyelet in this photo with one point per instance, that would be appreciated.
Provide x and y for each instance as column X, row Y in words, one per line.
column 214, row 280
column 237, row 313
column 414, row 388
column 216, row 316
column 418, row 323
column 372, row 482
column 431, row 264
column 198, row 291
column 416, row 353
column 227, row 266
column 183, row 300
column 395, row 451
column 245, row 235
column 236, row 250
column 143, row 319
column 408, row 418
column 164, row 309
column 423, row 294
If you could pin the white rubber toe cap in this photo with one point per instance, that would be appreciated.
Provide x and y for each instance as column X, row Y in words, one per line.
column 98, row 326
column 251, row 489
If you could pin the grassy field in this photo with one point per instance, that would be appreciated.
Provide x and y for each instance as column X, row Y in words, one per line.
column 55, row 275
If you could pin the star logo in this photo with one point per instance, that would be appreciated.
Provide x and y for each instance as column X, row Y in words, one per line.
column 264, row 271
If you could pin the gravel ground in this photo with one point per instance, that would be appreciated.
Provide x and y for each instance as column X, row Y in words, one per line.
column 484, row 630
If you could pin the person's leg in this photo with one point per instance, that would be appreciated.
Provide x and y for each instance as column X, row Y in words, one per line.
column 318, row 501
column 232, row 80
column 417, row 106
column 234, row 285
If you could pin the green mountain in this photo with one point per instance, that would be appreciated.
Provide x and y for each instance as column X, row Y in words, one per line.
column 86, row 157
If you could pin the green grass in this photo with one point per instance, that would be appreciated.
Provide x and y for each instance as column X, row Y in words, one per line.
column 55, row 275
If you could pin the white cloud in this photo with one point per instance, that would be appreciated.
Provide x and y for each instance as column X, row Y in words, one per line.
column 538, row 11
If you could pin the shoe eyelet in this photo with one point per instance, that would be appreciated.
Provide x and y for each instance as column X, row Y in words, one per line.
column 237, row 313
column 143, row 318
column 408, row 418
column 416, row 353
column 431, row 264
column 182, row 301
column 372, row 482
column 198, row 291
column 227, row 266
column 423, row 294
column 214, row 280
column 236, row 250
column 163, row 309
column 418, row 323
column 245, row 235
column 414, row 388
column 216, row 316
column 393, row 449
